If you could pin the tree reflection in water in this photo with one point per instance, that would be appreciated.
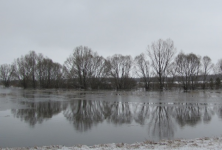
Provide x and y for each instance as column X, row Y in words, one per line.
column 187, row 114
column 208, row 113
column 119, row 113
column 218, row 110
column 37, row 112
column 161, row 124
column 84, row 114
column 40, row 106
column 142, row 112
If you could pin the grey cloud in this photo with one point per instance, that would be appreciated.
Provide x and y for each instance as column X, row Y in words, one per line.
column 55, row 27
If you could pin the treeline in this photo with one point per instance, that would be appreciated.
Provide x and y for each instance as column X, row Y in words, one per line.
column 158, row 68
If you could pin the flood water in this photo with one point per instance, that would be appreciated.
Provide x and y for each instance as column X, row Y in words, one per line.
column 58, row 117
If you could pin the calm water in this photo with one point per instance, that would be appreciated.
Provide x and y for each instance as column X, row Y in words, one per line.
column 56, row 117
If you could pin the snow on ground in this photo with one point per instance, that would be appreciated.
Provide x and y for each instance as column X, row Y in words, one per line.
column 181, row 144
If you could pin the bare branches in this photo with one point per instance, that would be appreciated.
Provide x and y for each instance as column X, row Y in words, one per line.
column 142, row 69
column 85, row 66
column 161, row 54
column 188, row 67
column 218, row 67
column 119, row 69
column 87, row 70
column 6, row 74
column 207, row 66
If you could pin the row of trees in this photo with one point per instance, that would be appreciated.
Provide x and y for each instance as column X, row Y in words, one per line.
column 86, row 69
column 32, row 70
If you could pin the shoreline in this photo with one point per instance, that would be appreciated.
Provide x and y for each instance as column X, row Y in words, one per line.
column 183, row 144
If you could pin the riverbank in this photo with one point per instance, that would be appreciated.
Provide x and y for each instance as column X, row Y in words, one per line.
column 182, row 144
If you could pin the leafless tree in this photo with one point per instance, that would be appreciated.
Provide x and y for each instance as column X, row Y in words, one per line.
column 77, row 65
column 48, row 73
column 40, row 69
column 98, row 71
column 86, row 66
column 218, row 73
column 69, row 70
column 6, row 74
column 31, row 61
column 22, row 71
column 119, row 70
column 207, row 66
column 45, row 69
column 171, row 74
column 183, row 69
column 218, row 67
column 56, row 75
column 142, row 69
column 161, row 54
column 29, row 70
column 194, row 66
column 188, row 67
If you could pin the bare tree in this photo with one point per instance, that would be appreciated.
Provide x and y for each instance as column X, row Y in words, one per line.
column 183, row 70
column 98, row 71
column 142, row 69
column 86, row 66
column 22, row 71
column 194, row 66
column 40, row 69
column 69, row 70
column 31, row 60
column 6, row 74
column 188, row 67
column 207, row 66
column 171, row 74
column 46, row 72
column 27, row 69
column 56, row 75
column 161, row 54
column 218, row 67
column 82, row 62
column 77, row 64
column 218, row 73
column 119, row 70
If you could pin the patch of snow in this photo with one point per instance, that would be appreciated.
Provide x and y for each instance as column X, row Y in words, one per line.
column 194, row 144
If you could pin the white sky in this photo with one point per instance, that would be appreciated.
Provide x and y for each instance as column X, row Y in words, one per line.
column 56, row 27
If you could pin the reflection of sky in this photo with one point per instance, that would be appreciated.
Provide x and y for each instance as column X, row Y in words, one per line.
column 43, row 119
column 210, row 129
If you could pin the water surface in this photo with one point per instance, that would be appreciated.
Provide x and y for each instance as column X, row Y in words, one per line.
column 59, row 117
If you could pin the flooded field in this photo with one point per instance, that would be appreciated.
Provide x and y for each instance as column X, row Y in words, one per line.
column 59, row 117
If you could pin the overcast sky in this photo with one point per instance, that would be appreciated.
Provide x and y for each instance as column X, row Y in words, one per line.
column 55, row 27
